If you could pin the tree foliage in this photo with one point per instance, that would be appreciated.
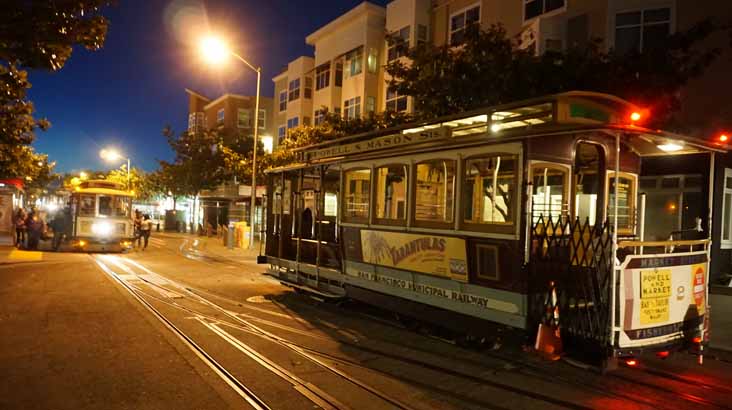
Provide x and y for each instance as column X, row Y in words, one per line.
column 198, row 160
column 40, row 35
column 489, row 69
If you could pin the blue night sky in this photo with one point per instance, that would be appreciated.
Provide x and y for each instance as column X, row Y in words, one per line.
column 124, row 94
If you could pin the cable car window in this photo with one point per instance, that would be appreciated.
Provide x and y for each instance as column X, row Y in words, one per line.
column 87, row 205
column 435, row 189
column 391, row 192
column 276, row 195
column 626, row 201
column 358, row 187
column 105, row 205
column 548, row 192
column 588, row 184
column 490, row 189
column 121, row 206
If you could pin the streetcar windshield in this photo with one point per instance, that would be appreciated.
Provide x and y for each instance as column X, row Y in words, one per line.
column 114, row 206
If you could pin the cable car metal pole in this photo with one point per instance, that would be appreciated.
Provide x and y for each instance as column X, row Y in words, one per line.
column 613, row 293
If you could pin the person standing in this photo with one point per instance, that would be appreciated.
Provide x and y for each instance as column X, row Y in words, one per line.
column 137, row 224
column 34, row 225
column 20, row 228
column 145, row 229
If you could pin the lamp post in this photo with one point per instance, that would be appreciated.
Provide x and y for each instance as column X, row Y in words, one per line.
column 113, row 155
column 215, row 51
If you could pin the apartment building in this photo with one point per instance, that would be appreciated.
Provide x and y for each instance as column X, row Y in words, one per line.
column 347, row 72
column 293, row 96
column 232, row 114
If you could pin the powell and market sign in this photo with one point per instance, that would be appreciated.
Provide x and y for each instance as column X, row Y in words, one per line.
column 388, row 141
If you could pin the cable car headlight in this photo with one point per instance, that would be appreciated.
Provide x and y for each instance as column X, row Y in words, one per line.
column 102, row 228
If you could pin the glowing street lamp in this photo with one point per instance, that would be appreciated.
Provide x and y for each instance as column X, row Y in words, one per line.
column 215, row 51
column 112, row 155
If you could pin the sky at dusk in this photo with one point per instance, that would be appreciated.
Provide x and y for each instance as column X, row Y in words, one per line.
column 124, row 94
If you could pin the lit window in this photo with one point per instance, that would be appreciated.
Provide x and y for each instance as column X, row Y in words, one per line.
column 354, row 61
column 220, row 116
column 373, row 60
column 489, row 189
column 242, row 118
column 397, row 44
column 435, row 187
column 395, row 102
column 262, row 119
column 549, row 192
column 352, row 108
column 308, row 93
column 358, row 188
column 535, row 8
column 391, row 192
column 294, row 90
column 322, row 76
column 626, row 201
column 643, row 30
column 283, row 100
column 461, row 21
column 293, row 122
column 268, row 144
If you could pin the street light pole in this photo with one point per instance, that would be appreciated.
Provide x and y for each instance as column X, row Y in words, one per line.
column 253, row 193
column 128, row 175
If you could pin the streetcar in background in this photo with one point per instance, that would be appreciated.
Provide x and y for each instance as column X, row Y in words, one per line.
column 102, row 217
column 520, row 215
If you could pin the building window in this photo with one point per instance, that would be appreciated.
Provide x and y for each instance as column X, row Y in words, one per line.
column 339, row 75
column 373, row 60
column 391, row 192
column 220, row 116
column 489, row 189
column 461, row 21
column 370, row 104
column 281, row 132
column 322, row 76
column 320, row 116
column 643, row 30
column 306, row 121
column 267, row 144
column 242, row 118
column 535, row 8
column 395, row 102
column 354, row 61
column 435, row 188
column 358, row 188
column 262, row 119
column 293, row 122
column 294, row 90
column 421, row 35
column 196, row 122
column 352, row 108
column 283, row 100
column 397, row 44
column 308, row 92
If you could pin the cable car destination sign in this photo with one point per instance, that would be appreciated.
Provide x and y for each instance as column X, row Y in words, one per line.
column 375, row 144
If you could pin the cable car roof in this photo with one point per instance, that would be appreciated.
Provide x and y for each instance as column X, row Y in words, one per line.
column 558, row 113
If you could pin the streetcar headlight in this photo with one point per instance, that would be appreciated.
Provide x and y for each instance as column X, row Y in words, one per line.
column 102, row 228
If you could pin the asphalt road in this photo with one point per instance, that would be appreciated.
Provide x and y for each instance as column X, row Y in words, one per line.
column 162, row 329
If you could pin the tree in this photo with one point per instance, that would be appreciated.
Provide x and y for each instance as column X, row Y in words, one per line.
column 37, row 35
column 489, row 69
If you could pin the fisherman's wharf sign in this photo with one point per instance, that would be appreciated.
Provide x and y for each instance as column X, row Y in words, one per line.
column 374, row 144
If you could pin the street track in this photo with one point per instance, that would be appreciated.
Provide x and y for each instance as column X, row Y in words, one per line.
column 319, row 397
column 245, row 322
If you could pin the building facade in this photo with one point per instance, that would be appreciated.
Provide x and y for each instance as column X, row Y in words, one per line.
column 347, row 71
column 232, row 114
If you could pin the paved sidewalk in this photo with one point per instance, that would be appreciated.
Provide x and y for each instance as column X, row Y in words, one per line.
column 212, row 247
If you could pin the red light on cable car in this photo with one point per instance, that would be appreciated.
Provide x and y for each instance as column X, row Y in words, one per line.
column 723, row 138
column 631, row 362
column 696, row 340
column 664, row 354
column 635, row 116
